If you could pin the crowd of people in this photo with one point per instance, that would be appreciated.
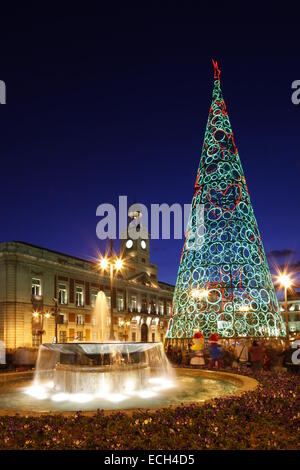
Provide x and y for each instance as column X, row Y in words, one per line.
column 222, row 354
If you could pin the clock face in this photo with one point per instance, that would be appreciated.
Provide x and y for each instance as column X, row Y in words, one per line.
column 129, row 243
column 143, row 244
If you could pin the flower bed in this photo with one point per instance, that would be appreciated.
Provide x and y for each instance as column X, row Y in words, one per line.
column 267, row 418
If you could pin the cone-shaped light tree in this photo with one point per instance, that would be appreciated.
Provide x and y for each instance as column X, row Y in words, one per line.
column 224, row 283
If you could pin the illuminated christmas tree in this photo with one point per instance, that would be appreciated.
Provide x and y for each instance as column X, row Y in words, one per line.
column 224, row 283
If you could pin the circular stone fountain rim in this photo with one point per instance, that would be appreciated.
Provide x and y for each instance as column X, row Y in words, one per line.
column 243, row 382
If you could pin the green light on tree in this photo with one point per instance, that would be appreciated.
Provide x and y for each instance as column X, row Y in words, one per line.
column 224, row 283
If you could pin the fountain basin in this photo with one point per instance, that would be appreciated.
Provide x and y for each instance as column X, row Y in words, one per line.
column 97, row 379
column 100, row 368
column 189, row 386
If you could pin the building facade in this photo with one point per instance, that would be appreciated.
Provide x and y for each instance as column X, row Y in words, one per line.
column 293, row 301
column 31, row 278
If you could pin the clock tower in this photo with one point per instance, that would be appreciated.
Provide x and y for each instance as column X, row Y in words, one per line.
column 133, row 247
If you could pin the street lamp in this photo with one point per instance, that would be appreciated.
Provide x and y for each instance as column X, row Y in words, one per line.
column 113, row 263
column 56, row 314
column 285, row 281
column 39, row 319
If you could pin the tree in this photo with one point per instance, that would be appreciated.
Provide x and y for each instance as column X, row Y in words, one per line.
column 224, row 283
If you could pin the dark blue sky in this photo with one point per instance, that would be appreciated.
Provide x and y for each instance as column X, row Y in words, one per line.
column 116, row 102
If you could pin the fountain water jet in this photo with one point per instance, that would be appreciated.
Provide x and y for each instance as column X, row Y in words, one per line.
column 101, row 317
column 111, row 370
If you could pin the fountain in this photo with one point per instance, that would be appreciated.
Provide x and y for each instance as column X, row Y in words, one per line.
column 101, row 368
column 109, row 375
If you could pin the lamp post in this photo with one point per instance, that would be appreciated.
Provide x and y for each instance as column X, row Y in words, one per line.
column 285, row 281
column 39, row 318
column 113, row 263
column 55, row 314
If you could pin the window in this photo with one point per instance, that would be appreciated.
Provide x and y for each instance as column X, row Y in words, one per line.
column 152, row 307
column 108, row 301
column 62, row 336
column 36, row 287
column 36, row 340
column 79, row 297
column 62, row 294
column 144, row 305
column 93, row 299
column 120, row 303
column 168, row 308
column 80, row 320
column 133, row 303
column 133, row 336
column 161, row 308
column 79, row 335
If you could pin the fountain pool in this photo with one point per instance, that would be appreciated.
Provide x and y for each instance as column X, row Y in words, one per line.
column 110, row 376
column 189, row 386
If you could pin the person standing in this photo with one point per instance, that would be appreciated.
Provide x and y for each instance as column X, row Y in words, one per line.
column 256, row 355
column 215, row 351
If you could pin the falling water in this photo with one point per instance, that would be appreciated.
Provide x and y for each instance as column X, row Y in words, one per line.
column 101, row 317
column 100, row 369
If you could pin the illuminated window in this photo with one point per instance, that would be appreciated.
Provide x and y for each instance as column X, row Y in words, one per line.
column 62, row 294
column 133, row 303
column 120, row 303
column 36, row 340
column 36, row 287
column 79, row 335
column 79, row 297
column 62, row 336
column 93, row 299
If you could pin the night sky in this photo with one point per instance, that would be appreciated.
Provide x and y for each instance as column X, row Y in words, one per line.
column 115, row 102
